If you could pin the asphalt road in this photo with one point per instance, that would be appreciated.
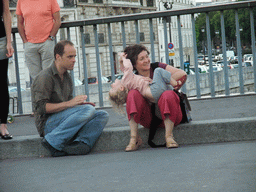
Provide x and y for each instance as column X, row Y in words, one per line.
column 223, row 167
column 221, row 108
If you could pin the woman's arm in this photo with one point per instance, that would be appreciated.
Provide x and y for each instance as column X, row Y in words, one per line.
column 8, row 27
column 177, row 74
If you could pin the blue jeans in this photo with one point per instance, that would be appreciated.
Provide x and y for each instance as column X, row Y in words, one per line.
column 81, row 123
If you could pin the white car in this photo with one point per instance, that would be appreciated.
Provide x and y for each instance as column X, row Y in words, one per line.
column 216, row 68
column 77, row 82
column 247, row 64
column 13, row 89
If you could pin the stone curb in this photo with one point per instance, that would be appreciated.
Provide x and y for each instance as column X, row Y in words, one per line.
column 197, row 132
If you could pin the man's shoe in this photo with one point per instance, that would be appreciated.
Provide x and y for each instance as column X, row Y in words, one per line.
column 54, row 152
column 77, row 148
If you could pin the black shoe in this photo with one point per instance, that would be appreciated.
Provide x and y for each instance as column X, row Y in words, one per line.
column 6, row 136
column 54, row 152
column 77, row 148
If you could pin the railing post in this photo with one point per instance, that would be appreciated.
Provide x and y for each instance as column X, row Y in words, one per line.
column 152, row 40
column 239, row 51
column 111, row 53
column 184, row 89
column 180, row 43
column 253, row 46
column 98, row 65
column 198, row 92
column 123, row 34
column 166, row 41
column 19, row 100
column 136, row 22
column 208, row 32
column 223, row 36
column 71, row 71
column 84, row 64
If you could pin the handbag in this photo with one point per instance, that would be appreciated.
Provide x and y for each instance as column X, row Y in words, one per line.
column 185, row 107
column 155, row 122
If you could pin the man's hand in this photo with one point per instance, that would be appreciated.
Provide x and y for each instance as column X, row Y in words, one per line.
column 57, row 107
column 78, row 100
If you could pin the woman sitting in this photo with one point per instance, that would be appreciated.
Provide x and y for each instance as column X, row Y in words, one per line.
column 150, row 90
column 139, row 108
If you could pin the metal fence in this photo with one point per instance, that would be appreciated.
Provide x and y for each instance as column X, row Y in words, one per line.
column 95, row 22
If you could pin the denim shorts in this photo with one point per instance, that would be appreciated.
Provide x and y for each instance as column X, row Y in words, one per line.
column 160, row 83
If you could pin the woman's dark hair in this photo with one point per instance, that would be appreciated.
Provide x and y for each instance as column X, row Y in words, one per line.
column 133, row 51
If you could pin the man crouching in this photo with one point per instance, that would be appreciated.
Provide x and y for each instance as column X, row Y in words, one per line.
column 70, row 126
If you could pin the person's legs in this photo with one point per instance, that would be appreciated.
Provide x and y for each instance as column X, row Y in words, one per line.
column 61, row 127
column 91, row 131
column 5, row 99
column 161, row 75
column 138, row 111
column 169, row 125
column 139, row 108
column 135, row 139
column 169, row 105
column 33, row 59
column 47, row 53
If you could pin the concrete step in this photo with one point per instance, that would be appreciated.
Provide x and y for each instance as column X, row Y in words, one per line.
column 196, row 132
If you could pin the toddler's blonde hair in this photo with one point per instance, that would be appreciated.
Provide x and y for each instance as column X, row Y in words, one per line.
column 118, row 99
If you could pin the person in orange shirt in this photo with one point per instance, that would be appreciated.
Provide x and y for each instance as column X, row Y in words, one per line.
column 38, row 24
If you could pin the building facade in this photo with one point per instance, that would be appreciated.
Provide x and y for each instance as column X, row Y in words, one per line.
column 72, row 10
column 172, row 29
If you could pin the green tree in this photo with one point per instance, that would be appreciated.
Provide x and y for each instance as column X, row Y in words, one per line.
column 230, row 26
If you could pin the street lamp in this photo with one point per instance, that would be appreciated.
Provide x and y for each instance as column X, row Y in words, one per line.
column 168, row 6
column 217, row 34
column 203, row 31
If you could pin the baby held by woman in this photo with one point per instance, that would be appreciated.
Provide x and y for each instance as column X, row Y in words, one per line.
column 151, row 90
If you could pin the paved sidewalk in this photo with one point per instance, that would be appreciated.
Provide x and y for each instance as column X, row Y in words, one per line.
column 214, row 121
column 207, row 109
column 225, row 167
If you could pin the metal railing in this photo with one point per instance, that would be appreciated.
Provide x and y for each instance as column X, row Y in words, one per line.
column 95, row 22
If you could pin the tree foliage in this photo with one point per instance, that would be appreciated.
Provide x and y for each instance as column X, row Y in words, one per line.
column 230, row 25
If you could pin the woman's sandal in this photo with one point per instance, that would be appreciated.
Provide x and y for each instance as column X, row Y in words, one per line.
column 135, row 143
column 171, row 143
column 6, row 136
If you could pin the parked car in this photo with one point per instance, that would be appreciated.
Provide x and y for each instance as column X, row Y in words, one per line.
column 247, row 64
column 222, row 64
column 201, row 69
column 91, row 80
column 216, row 68
column 13, row 89
column 117, row 76
column 78, row 82
column 247, row 56
column 94, row 80
column 235, row 66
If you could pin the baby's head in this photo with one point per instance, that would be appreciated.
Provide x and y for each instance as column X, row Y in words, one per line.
column 118, row 94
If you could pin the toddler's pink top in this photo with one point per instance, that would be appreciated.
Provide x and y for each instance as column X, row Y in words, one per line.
column 132, row 81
